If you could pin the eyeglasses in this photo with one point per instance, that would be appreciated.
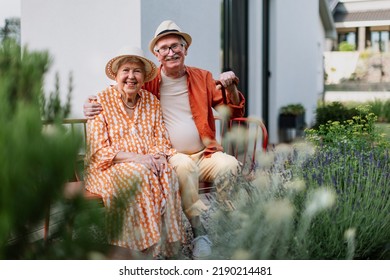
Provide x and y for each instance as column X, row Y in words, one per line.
column 175, row 48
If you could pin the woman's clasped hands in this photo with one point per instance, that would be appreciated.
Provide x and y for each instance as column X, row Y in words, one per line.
column 157, row 163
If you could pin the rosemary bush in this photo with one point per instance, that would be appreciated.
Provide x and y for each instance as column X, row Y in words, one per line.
column 35, row 163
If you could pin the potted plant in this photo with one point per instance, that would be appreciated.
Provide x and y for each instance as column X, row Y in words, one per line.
column 292, row 116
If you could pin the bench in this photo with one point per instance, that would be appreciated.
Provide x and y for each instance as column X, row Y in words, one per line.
column 240, row 137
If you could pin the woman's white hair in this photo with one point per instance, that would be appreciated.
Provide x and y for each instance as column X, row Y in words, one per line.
column 123, row 60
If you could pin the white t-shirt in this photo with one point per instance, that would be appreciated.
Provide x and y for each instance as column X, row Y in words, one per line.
column 177, row 115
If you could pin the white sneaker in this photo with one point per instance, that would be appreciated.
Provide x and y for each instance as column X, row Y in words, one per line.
column 201, row 247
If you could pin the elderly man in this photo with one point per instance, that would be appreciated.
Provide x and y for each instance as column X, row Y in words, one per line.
column 187, row 95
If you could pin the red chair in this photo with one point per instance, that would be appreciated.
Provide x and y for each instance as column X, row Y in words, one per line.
column 242, row 138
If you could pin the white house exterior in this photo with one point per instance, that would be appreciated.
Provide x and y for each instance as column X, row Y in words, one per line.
column 83, row 35
column 9, row 9
column 297, row 44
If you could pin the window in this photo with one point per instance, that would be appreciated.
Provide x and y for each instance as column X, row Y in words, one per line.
column 349, row 37
column 380, row 41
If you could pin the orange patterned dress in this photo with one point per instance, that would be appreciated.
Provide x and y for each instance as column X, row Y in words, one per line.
column 152, row 215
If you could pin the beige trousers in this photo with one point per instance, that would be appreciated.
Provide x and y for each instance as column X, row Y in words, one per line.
column 192, row 168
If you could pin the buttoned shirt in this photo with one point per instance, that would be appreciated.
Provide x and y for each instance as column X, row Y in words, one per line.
column 203, row 96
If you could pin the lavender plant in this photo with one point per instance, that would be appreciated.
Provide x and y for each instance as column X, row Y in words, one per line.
column 361, row 182
column 328, row 200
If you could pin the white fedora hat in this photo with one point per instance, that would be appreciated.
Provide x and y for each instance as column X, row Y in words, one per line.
column 150, row 67
column 165, row 28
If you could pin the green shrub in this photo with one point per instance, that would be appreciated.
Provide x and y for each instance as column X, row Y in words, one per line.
column 293, row 109
column 359, row 132
column 334, row 111
column 386, row 111
column 380, row 108
column 346, row 47
column 376, row 107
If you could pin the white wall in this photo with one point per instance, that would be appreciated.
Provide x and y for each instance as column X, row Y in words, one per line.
column 8, row 9
column 201, row 19
column 323, row 44
column 294, row 55
column 255, row 59
column 340, row 65
column 83, row 35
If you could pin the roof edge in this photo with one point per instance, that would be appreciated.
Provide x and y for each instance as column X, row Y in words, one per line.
column 327, row 20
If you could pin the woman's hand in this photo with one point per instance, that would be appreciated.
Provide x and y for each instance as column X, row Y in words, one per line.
column 161, row 163
column 91, row 107
column 156, row 163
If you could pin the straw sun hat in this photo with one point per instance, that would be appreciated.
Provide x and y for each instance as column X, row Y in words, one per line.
column 165, row 28
column 150, row 67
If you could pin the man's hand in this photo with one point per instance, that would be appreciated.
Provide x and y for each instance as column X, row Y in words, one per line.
column 229, row 80
column 91, row 107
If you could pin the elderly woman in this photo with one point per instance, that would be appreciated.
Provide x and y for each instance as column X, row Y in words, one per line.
column 128, row 147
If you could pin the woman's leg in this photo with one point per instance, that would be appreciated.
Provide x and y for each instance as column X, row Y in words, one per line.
column 135, row 207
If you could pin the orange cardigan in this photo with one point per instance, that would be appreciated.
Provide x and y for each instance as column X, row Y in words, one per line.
column 203, row 96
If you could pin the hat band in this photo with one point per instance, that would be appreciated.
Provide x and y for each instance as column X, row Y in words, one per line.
column 166, row 31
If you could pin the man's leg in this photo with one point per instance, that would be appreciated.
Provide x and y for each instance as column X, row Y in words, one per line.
column 222, row 169
column 188, row 174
